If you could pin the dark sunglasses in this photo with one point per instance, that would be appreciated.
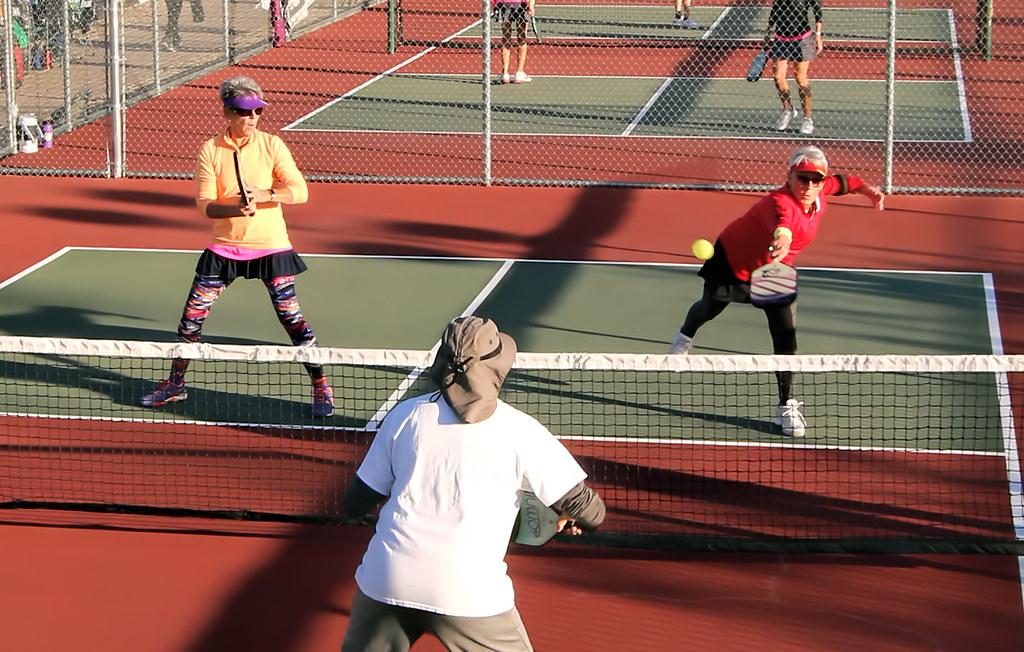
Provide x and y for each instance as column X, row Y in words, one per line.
column 813, row 179
column 247, row 112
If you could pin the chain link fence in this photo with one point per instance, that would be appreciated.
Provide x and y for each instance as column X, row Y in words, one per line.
column 919, row 95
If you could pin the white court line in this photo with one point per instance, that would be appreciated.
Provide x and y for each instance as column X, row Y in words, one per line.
column 289, row 127
column 191, row 422
column 1013, row 468
column 773, row 136
column 670, row 441
column 647, row 107
column 1009, row 443
column 629, row 130
column 552, row 261
column 959, row 76
column 713, row 26
column 415, row 374
column 865, row 80
column 28, row 270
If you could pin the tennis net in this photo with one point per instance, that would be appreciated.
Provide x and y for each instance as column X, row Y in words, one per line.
column 900, row 452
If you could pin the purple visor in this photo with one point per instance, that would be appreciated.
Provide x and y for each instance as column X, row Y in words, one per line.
column 245, row 102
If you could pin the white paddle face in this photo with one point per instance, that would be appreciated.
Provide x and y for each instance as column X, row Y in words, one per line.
column 772, row 285
column 538, row 523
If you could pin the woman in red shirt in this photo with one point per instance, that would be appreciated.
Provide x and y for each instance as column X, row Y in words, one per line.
column 777, row 228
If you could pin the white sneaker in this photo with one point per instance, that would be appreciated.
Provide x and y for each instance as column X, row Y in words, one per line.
column 785, row 118
column 522, row 78
column 790, row 418
column 807, row 127
column 688, row 23
column 506, row 79
column 680, row 345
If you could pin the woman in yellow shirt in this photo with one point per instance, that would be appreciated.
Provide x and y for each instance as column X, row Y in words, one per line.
column 243, row 176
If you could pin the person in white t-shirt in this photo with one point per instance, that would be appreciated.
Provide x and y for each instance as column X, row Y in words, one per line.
column 452, row 467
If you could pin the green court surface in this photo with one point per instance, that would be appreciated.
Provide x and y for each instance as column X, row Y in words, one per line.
column 683, row 107
column 742, row 22
column 404, row 303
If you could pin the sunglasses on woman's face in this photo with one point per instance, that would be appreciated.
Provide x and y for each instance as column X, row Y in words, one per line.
column 812, row 179
column 247, row 112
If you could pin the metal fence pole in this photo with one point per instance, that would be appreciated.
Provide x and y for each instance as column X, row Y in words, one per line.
column 66, row 62
column 485, row 45
column 12, row 105
column 890, row 97
column 227, row 31
column 115, row 124
column 154, row 21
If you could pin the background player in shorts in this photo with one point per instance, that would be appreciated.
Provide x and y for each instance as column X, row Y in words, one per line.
column 452, row 466
column 793, row 39
column 777, row 228
column 514, row 16
column 682, row 18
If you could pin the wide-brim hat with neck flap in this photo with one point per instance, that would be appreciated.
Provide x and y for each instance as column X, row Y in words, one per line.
column 471, row 364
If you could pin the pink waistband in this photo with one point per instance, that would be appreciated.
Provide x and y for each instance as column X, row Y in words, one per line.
column 242, row 253
column 794, row 38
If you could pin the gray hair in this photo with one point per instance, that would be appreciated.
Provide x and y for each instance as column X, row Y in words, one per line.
column 232, row 87
column 808, row 153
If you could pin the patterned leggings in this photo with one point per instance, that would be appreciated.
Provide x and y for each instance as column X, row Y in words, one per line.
column 205, row 292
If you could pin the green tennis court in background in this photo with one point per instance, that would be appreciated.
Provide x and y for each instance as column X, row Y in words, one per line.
column 404, row 303
column 640, row 106
column 743, row 22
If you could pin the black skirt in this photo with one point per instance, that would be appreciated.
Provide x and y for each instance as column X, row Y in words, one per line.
column 284, row 263
column 719, row 280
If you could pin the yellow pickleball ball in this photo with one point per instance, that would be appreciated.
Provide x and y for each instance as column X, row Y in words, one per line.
column 702, row 249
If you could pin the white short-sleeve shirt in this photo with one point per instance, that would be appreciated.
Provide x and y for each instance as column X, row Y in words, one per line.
column 453, row 497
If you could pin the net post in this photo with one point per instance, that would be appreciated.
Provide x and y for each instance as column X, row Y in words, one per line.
column 983, row 29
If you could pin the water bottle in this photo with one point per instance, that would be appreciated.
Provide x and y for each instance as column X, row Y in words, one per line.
column 28, row 133
column 47, row 129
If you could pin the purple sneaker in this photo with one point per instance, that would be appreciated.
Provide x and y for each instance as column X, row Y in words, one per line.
column 165, row 392
column 323, row 402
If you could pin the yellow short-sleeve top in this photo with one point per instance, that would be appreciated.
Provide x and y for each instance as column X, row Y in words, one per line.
column 265, row 163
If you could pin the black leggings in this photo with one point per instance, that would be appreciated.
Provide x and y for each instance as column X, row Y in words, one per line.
column 781, row 325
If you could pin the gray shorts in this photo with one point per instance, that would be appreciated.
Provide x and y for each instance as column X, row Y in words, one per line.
column 375, row 626
column 802, row 50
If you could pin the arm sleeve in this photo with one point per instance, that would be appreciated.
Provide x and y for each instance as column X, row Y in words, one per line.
column 843, row 184
column 816, row 8
column 287, row 173
column 583, row 504
column 360, row 499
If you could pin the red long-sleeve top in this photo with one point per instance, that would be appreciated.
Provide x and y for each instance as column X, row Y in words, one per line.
column 746, row 239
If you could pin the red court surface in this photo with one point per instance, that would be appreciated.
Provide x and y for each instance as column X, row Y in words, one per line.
column 119, row 583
